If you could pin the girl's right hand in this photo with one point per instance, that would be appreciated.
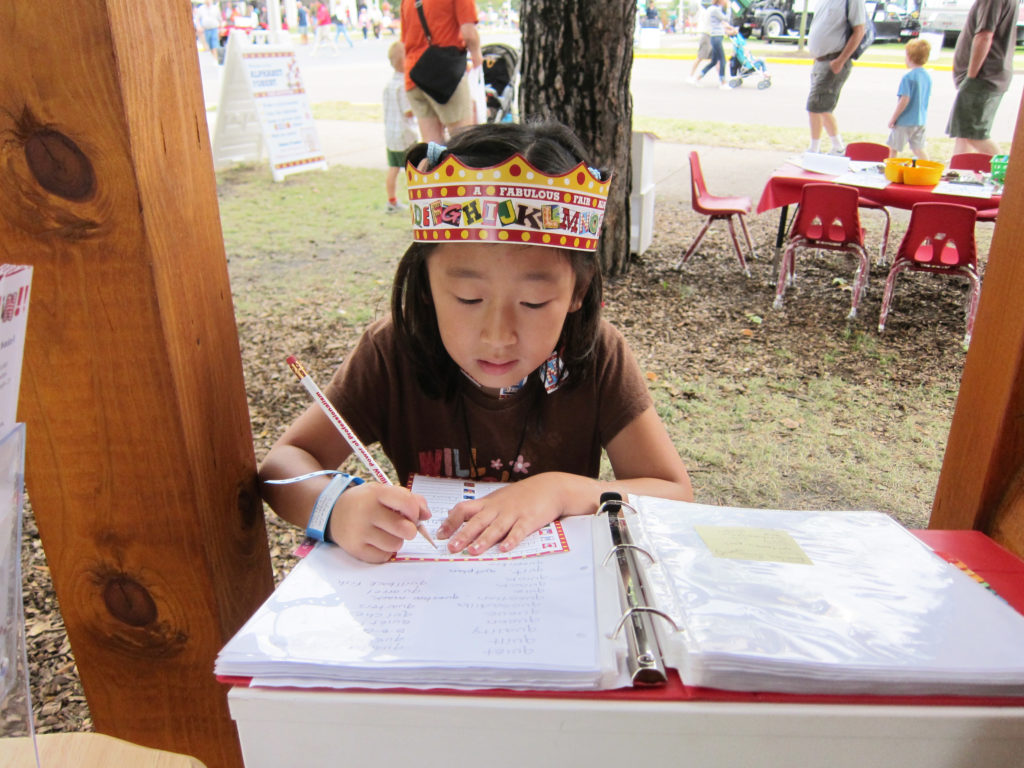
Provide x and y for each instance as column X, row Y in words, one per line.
column 370, row 521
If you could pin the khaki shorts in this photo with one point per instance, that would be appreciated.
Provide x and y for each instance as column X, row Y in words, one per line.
column 459, row 108
column 704, row 47
column 901, row 135
column 826, row 85
column 973, row 111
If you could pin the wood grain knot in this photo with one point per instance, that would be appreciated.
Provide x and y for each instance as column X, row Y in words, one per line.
column 250, row 505
column 129, row 602
column 59, row 165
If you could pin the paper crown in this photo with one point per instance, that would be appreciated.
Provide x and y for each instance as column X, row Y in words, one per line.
column 510, row 202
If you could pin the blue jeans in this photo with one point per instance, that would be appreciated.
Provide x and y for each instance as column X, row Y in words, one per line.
column 717, row 56
column 341, row 29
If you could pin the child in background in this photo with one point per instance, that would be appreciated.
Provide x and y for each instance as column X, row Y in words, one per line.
column 303, row 22
column 703, row 41
column 495, row 363
column 399, row 124
column 907, row 122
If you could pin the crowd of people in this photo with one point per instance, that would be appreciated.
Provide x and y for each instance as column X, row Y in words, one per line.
column 314, row 23
column 982, row 68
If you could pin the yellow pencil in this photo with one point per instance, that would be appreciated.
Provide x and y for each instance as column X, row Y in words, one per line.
column 346, row 431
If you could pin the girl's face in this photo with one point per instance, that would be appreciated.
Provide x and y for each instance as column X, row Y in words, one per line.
column 500, row 307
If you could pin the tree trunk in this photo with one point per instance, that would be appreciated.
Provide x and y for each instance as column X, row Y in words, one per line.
column 577, row 60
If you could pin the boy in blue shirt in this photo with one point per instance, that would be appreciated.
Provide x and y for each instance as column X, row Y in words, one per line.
column 907, row 122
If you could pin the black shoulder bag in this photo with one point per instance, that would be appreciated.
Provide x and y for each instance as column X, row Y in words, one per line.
column 439, row 69
column 869, row 31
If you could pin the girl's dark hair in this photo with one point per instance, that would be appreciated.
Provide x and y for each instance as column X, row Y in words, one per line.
column 550, row 147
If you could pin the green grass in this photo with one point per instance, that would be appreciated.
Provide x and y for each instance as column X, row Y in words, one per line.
column 791, row 442
column 312, row 234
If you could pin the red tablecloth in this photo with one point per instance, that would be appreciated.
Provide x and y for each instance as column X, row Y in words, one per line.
column 786, row 183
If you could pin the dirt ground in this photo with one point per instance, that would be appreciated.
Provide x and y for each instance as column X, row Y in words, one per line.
column 924, row 328
column 707, row 317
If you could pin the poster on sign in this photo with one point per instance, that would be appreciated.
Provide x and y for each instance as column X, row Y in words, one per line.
column 264, row 107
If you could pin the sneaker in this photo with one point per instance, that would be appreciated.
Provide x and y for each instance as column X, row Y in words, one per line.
column 838, row 152
column 395, row 208
column 692, row 79
column 725, row 87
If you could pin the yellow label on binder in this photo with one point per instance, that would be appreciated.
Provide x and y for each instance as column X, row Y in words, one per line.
column 744, row 543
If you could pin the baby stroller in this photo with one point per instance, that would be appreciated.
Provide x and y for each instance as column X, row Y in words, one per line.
column 743, row 65
column 501, row 77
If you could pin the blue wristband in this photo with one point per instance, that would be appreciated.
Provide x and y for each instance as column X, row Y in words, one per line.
column 316, row 528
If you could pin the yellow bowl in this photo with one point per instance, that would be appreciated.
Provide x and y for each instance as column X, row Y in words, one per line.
column 925, row 173
column 894, row 168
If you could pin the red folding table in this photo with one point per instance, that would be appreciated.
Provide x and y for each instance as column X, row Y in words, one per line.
column 786, row 184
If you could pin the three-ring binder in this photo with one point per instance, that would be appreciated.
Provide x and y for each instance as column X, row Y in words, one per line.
column 644, row 658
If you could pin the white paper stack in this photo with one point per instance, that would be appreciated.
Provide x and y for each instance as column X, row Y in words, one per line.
column 824, row 602
column 338, row 622
column 831, row 165
column 963, row 189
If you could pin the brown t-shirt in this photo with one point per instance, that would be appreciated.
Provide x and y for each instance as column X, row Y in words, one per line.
column 999, row 17
column 477, row 434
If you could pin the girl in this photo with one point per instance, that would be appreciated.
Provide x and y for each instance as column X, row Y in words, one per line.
column 494, row 364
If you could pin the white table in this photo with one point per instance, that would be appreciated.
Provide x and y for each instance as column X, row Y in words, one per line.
column 280, row 728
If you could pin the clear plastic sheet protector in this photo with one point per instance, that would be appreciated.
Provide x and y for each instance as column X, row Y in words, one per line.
column 15, row 695
column 822, row 602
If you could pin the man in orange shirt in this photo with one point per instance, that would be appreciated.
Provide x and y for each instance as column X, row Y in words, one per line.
column 451, row 23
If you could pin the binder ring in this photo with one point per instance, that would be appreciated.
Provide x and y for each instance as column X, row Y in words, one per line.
column 643, row 609
column 617, row 547
column 603, row 509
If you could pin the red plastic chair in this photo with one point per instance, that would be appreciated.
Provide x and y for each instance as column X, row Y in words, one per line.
column 971, row 161
column 870, row 152
column 867, row 151
column 982, row 163
column 827, row 220
column 939, row 239
column 715, row 208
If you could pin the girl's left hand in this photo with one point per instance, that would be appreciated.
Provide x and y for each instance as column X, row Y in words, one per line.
column 508, row 515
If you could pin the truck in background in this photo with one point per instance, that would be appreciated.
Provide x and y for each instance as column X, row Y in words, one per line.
column 948, row 17
column 895, row 20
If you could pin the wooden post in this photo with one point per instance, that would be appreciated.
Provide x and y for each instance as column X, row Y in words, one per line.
column 981, row 485
column 140, row 462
